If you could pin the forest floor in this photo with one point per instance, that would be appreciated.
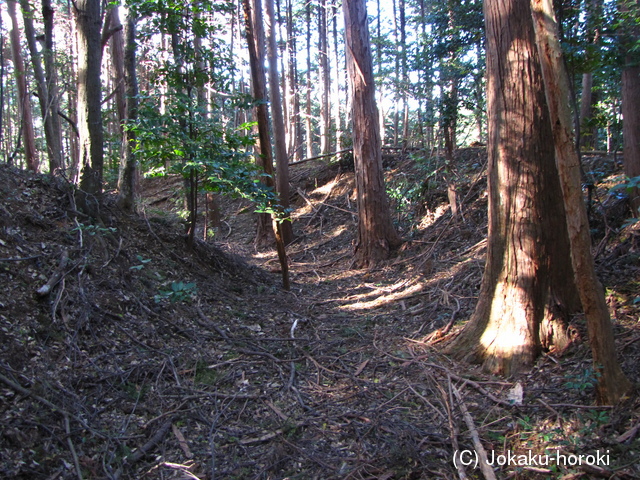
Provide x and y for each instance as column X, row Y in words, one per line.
column 143, row 360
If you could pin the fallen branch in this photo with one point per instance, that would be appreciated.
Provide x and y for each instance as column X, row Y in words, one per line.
column 206, row 322
column 629, row 434
column 486, row 469
column 305, row 160
column 19, row 259
column 56, row 277
column 269, row 436
column 28, row 393
column 72, row 448
column 453, row 430
column 439, row 334
column 147, row 447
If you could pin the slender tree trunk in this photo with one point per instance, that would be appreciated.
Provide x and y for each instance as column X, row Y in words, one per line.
column 73, row 133
column 404, row 75
column 588, row 99
column 396, row 97
column 51, row 77
column 1, row 86
column 336, row 68
column 258, row 81
column 308, row 122
column 325, row 82
column 381, row 120
column 376, row 234
column 295, row 127
column 89, row 21
column 282, row 164
column 117, row 65
column 24, row 110
column 127, row 179
column 50, row 117
column 612, row 384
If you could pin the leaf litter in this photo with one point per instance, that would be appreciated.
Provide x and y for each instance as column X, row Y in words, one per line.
column 143, row 360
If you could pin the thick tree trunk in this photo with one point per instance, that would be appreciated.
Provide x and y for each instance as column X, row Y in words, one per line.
column 282, row 163
column 612, row 383
column 89, row 21
column 24, row 103
column 376, row 234
column 631, row 99
column 631, row 126
column 527, row 248
column 128, row 164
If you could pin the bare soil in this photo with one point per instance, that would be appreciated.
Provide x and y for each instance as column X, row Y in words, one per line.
column 149, row 361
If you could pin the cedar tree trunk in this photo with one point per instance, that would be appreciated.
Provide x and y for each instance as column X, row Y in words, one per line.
column 524, row 288
column 612, row 384
column 376, row 234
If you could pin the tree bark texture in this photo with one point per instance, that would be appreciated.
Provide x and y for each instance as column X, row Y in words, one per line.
column 631, row 101
column 524, row 281
column 337, row 79
column 325, row 81
column 258, row 82
column 282, row 161
column 308, row 121
column 612, row 383
column 53, row 94
column 24, row 110
column 89, row 21
column 127, row 177
column 376, row 234
column 116, row 42
column 51, row 121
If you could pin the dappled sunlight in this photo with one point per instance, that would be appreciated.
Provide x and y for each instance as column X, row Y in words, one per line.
column 383, row 294
column 431, row 217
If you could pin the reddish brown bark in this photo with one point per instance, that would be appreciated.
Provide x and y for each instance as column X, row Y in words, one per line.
column 612, row 384
column 376, row 234
column 527, row 251
column 24, row 104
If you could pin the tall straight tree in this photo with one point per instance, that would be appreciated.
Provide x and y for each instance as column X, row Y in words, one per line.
column 280, row 138
column 525, row 286
column 51, row 120
column 338, row 77
column 376, row 234
column 116, row 41
column 308, row 119
column 253, row 20
column 325, row 82
column 89, row 23
column 630, row 10
column 588, row 98
column 24, row 105
column 51, row 78
column 128, row 163
column 612, row 384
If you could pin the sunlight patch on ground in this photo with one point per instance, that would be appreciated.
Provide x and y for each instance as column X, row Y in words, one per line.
column 383, row 296
column 430, row 217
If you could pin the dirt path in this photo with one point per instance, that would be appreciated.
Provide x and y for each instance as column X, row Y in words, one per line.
column 146, row 361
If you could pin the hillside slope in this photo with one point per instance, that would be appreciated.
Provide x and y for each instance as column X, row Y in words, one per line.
column 144, row 360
